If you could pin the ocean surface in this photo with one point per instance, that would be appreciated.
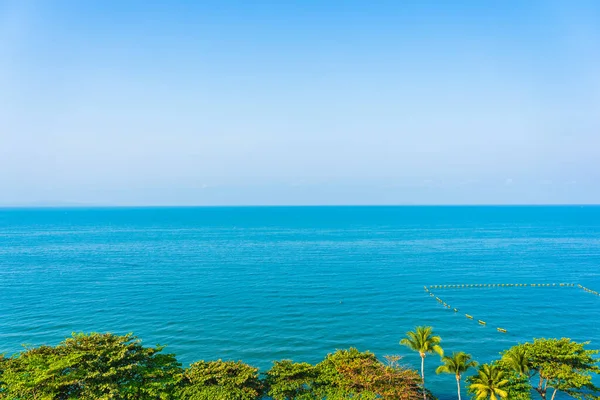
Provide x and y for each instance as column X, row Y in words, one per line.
column 265, row 283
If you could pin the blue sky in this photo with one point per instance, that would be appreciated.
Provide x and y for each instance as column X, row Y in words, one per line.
column 308, row 102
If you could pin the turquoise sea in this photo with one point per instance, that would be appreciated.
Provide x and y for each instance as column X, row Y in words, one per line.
column 264, row 283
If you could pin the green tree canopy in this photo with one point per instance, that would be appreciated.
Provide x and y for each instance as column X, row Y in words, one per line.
column 91, row 366
column 105, row 366
column 288, row 380
column 3, row 361
column 518, row 386
column 561, row 365
column 351, row 374
column 220, row 380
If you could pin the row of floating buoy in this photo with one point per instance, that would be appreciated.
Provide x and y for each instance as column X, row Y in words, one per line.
column 588, row 290
column 501, row 285
column 471, row 285
column 448, row 306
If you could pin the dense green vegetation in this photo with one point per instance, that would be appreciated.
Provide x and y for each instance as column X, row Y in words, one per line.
column 106, row 366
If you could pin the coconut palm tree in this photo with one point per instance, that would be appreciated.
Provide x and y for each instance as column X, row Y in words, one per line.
column 423, row 341
column 517, row 359
column 456, row 364
column 489, row 383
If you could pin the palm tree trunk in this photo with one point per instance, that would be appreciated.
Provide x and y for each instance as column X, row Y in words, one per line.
column 458, row 385
column 423, row 375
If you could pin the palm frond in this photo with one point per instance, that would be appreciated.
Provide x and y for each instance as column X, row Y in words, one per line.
column 422, row 340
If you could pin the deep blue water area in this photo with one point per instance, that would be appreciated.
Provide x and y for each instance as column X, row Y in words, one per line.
column 265, row 283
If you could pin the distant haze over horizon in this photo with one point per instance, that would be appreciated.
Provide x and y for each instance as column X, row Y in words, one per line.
column 315, row 103
column 82, row 206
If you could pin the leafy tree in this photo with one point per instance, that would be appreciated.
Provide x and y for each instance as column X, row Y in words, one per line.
column 489, row 383
column 456, row 364
column 516, row 366
column 561, row 365
column 423, row 341
column 30, row 375
column 95, row 366
column 518, row 360
column 287, row 380
column 518, row 386
column 220, row 380
column 3, row 361
column 106, row 366
column 350, row 374
column 334, row 375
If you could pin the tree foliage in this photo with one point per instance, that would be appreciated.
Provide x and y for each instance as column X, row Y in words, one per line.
column 288, row 380
column 489, row 383
column 351, row 374
column 518, row 386
column 558, row 365
column 423, row 341
column 3, row 361
column 456, row 364
column 220, row 380
column 517, row 359
column 91, row 366
column 106, row 366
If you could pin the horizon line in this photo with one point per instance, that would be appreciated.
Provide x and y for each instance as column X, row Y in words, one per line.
column 109, row 206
